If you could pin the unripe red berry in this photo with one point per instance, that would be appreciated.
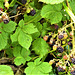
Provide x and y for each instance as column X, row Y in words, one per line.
column 45, row 37
column 65, row 57
column 1, row 9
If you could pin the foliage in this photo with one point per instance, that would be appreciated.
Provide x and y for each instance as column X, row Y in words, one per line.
column 5, row 70
column 37, row 37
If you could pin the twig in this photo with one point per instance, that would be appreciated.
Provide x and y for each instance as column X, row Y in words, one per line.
column 15, row 15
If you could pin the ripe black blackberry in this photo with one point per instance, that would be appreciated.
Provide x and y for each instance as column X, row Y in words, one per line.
column 60, row 49
column 24, row 1
column 73, row 60
column 60, row 36
column 32, row 12
column 6, row 21
column 60, row 69
column 73, row 72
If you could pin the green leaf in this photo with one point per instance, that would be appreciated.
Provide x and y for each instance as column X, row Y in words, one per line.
column 3, row 39
column 14, row 37
column 30, row 28
column 35, row 35
column 6, row 70
column 22, row 55
column 21, row 23
column 51, row 1
column 9, row 27
column 9, row 52
column 17, row 51
column 30, row 19
column 25, row 54
column 49, row 12
column 40, row 46
column 65, row 15
column 41, row 68
column 1, row 5
column 24, row 40
column 19, row 60
column 1, row 0
column 39, row 26
column 72, row 4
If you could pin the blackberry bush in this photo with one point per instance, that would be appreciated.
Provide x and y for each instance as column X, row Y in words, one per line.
column 37, row 37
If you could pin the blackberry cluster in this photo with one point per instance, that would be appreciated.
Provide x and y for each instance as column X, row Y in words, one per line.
column 24, row 1
column 73, row 72
column 60, row 49
column 60, row 69
column 73, row 60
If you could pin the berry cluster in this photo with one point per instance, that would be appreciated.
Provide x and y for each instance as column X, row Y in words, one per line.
column 62, row 44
